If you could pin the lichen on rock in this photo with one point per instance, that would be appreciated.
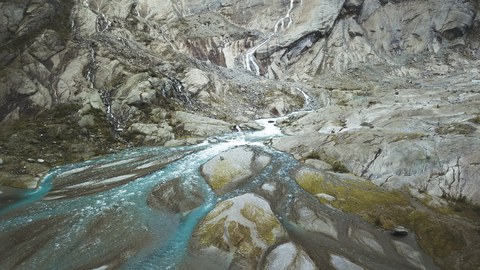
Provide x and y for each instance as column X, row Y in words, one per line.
column 232, row 168
column 244, row 226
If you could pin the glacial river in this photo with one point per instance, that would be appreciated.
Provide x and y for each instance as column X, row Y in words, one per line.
column 112, row 191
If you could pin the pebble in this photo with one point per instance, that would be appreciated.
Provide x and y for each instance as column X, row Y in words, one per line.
column 1, row 162
column 326, row 197
column 40, row 160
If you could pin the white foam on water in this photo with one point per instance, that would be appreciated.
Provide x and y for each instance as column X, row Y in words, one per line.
column 121, row 162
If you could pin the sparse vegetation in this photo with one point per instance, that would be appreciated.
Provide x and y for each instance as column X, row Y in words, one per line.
column 455, row 128
column 52, row 135
column 475, row 120
column 388, row 209
column 337, row 165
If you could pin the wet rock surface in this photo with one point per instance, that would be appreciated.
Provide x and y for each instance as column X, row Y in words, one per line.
column 176, row 196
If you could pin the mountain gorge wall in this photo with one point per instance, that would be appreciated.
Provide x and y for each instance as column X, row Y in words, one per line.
column 86, row 51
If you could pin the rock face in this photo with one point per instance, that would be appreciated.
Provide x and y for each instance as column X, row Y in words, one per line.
column 230, row 169
column 242, row 228
column 149, row 54
column 422, row 143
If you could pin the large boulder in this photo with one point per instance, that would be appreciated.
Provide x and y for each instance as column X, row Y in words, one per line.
column 195, row 80
column 176, row 196
column 230, row 169
column 153, row 133
column 241, row 228
column 198, row 126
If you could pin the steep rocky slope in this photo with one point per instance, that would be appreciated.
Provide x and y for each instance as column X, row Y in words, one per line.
column 395, row 84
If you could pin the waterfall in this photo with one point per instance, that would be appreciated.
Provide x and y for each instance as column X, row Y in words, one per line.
column 90, row 76
column 281, row 21
column 250, row 58
column 250, row 62
column 308, row 100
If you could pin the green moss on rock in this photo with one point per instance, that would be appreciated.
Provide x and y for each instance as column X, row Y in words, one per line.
column 388, row 209
column 455, row 128
column 223, row 174
column 266, row 223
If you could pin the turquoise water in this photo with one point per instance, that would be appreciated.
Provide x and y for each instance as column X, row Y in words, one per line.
column 91, row 224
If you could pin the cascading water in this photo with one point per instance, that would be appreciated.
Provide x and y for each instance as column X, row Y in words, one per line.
column 250, row 62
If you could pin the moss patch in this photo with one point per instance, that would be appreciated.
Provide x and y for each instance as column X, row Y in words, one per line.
column 455, row 128
column 266, row 223
column 475, row 120
column 361, row 197
column 388, row 209
column 223, row 174
column 211, row 234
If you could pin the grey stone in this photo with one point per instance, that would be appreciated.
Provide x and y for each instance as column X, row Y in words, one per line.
column 230, row 169
column 197, row 125
column 177, row 196
column 399, row 231
column 157, row 133
column 288, row 256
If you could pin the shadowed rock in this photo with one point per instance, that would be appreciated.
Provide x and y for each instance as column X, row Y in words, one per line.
column 177, row 196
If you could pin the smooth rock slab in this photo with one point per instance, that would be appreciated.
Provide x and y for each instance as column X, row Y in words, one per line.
column 315, row 221
column 288, row 256
column 342, row 263
column 229, row 169
column 365, row 238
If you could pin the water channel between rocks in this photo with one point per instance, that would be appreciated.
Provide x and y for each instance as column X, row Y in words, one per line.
column 170, row 233
column 96, row 215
